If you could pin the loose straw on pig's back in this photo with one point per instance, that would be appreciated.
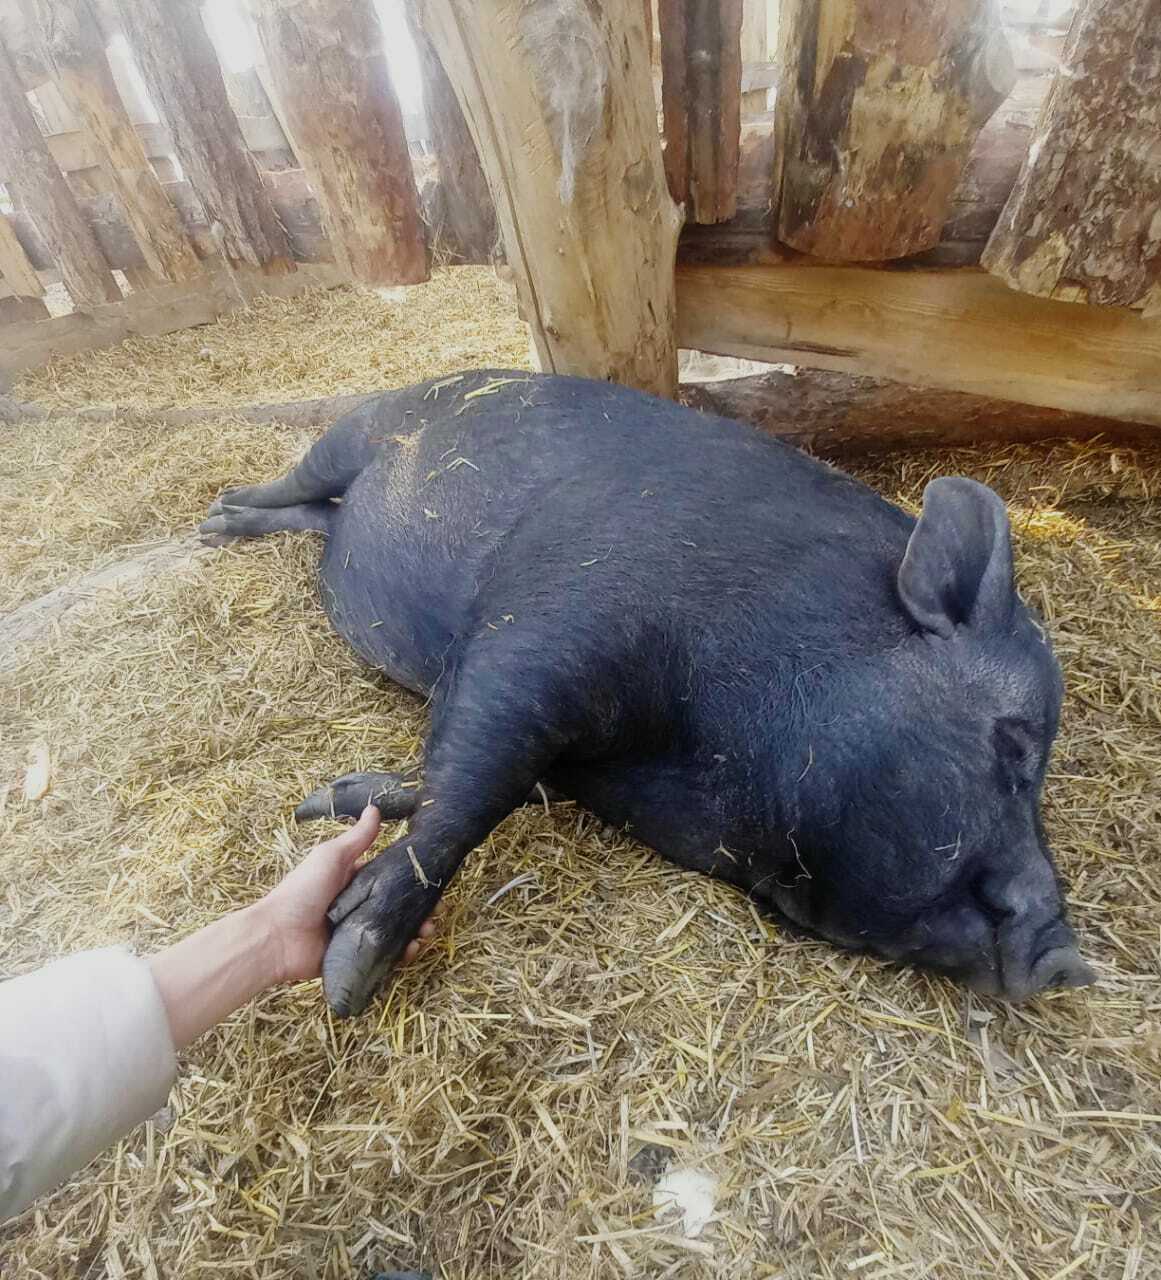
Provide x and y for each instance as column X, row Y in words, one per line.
column 482, row 1118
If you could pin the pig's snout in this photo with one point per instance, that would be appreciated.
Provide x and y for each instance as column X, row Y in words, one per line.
column 1036, row 948
column 1061, row 967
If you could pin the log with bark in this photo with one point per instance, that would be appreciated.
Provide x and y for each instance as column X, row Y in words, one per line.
column 1083, row 222
column 701, row 85
column 820, row 410
column 181, row 69
column 329, row 71
column 40, row 187
column 876, row 115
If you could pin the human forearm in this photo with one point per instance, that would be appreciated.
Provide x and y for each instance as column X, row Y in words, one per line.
column 208, row 975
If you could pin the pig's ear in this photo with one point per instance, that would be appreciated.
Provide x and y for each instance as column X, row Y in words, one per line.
column 958, row 566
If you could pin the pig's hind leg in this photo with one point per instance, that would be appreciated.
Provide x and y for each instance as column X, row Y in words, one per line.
column 228, row 522
column 328, row 469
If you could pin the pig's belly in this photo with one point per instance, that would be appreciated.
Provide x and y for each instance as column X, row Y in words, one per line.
column 399, row 584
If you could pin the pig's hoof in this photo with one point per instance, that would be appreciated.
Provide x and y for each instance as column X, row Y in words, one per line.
column 395, row 795
column 355, row 964
column 379, row 914
column 214, row 532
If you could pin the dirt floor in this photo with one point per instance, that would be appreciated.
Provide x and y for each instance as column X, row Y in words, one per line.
column 589, row 1016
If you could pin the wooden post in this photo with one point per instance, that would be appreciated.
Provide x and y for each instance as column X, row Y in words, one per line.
column 178, row 63
column 330, row 74
column 75, row 48
column 877, row 109
column 15, row 270
column 468, row 214
column 701, row 86
column 32, row 175
column 558, row 98
column 1083, row 222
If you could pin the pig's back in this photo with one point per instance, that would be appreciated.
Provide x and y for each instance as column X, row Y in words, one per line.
column 544, row 499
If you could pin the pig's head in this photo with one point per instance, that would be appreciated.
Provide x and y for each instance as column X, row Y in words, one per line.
column 917, row 823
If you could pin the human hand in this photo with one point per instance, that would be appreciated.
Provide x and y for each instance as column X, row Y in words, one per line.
column 294, row 911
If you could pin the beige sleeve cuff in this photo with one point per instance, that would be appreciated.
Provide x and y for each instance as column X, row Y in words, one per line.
column 85, row 1055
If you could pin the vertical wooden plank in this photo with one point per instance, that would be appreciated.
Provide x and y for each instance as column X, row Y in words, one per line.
column 75, row 49
column 30, row 172
column 17, row 272
column 1083, row 221
column 558, row 97
column 180, row 68
column 468, row 216
column 876, row 112
column 330, row 73
column 701, row 85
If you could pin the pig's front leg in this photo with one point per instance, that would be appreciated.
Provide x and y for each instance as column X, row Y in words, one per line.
column 395, row 795
column 484, row 758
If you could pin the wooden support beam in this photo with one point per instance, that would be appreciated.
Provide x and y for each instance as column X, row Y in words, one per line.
column 15, row 269
column 330, row 73
column 875, row 119
column 963, row 330
column 701, row 85
column 75, row 49
column 558, row 97
column 40, row 187
column 179, row 66
column 465, row 212
column 1083, row 222
column 165, row 309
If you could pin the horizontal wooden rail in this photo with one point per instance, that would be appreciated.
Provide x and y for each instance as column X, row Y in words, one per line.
column 960, row 329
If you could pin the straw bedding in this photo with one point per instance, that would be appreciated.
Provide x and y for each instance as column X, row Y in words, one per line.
column 588, row 1014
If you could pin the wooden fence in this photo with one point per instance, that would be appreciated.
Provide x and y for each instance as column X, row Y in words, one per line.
column 945, row 194
column 115, row 222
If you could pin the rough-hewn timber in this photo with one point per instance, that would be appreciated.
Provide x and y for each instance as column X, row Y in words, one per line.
column 184, row 78
column 329, row 71
column 40, row 187
column 16, row 271
column 75, row 49
column 558, row 97
column 701, row 85
column 1083, row 222
column 464, row 215
column 835, row 413
column 959, row 329
column 876, row 116
column 162, row 310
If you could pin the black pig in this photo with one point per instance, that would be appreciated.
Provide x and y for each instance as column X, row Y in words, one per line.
column 748, row 659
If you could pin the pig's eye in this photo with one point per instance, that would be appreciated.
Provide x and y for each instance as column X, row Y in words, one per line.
column 1017, row 752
